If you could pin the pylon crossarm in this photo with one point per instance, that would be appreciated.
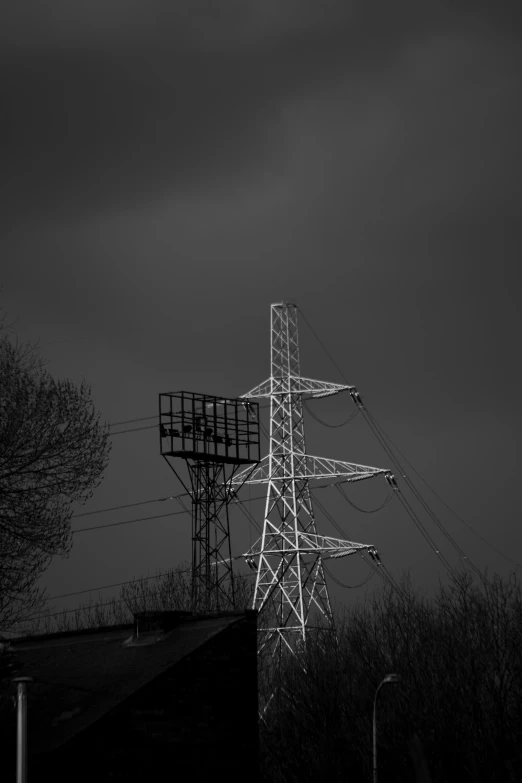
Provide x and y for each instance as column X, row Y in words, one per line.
column 285, row 539
column 259, row 475
column 261, row 390
column 308, row 544
column 292, row 384
column 326, row 543
column 320, row 467
column 308, row 467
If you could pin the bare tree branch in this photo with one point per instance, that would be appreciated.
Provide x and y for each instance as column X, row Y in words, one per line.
column 53, row 451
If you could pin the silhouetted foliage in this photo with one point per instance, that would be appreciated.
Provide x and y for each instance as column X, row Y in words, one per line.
column 53, row 452
column 459, row 703
column 168, row 592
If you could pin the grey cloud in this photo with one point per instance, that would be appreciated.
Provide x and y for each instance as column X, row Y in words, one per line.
column 100, row 113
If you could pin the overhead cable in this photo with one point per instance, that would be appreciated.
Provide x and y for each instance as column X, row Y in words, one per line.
column 381, row 436
column 127, row 505
column 305, row 319
column 325, row 423
column 342, row 584
column 136, row 429
column 128, row 521
column 466, row 524
column 364, row 510
column 131, row 421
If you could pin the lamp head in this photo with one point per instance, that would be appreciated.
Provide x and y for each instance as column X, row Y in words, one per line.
column 392, row 678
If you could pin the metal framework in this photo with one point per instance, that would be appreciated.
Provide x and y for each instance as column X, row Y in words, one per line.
column 291, row 593
column 215, row 437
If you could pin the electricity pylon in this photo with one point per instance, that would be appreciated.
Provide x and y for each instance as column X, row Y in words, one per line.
column 291, row 593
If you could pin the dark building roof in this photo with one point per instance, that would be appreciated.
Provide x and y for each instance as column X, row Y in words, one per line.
column 80, row 676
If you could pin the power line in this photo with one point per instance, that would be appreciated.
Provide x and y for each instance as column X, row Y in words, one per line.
column 236, row 501
column 158, row 516
column 364, row 510
column 342, row 584
column 136, row 429
column 325, row 423
column 116, row 584
column 246, row 512
column 375, row 428
column 149, row 418
column 67, row 611
column 127, row 505
column 131, row 421
column 323, row 347
column 381, row 436
column 401, row 497
column 128, row 521
column 382, row 571
column 106, row 587
column 466, row 524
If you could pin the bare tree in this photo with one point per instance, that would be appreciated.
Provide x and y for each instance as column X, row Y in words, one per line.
column 53, row 452
column 168, row 591
column 456, row 714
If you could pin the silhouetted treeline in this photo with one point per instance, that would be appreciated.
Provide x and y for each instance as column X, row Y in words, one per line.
column 172, row 590
column 457, row 711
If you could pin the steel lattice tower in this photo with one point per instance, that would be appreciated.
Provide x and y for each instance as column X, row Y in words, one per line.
column 215, row 437
column 291, row 593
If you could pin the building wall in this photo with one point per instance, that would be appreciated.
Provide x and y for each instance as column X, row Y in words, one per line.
column 198, row 719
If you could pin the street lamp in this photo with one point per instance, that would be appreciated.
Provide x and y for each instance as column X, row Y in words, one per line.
column 21, row 728
column 390, row 678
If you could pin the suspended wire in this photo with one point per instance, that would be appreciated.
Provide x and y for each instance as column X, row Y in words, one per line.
column 327, row 515
column 380, row 569
column 127, row 505
column 325, row 423
column 381, row 436
column 382, row 440
column 386, row 576
column 236, row 501
column 144, row 519
column 184, row 510
column 364, row 510
column 136, row 429
column 466, row 524
column 129, row 521
column 342, row 584
column 158, row 516
column 305, row 319
column 393, row 582
column 94, row 589
column 149, row 418
column 407, row 506
column 121, row 584
column 247, row 513
column 131, row 421
column 107, row 587
column 116, row 584
column 411, row 513
column 69, row 611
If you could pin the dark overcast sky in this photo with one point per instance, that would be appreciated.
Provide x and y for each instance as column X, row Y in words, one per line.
column 170, row 169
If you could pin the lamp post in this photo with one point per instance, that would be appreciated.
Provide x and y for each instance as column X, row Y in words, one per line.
column 21, row 729
column 390, row 678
